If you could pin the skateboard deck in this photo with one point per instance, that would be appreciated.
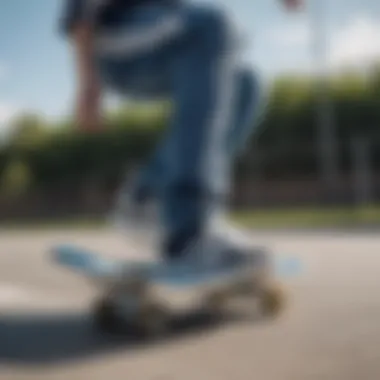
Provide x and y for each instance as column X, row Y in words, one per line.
column 147, row 292
column 102, row 270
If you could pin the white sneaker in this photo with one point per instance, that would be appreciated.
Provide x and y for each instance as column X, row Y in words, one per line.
column 240, row 246
column 129, row 211
column 220, row 251
column 221, row 226
column 136, row 222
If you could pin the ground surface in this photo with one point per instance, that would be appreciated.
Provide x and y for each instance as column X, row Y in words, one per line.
column 311, row 218
column 330, row 331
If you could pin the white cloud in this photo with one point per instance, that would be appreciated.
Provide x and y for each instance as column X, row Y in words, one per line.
column 7, row 111
column 357, row 44
column 293, row 35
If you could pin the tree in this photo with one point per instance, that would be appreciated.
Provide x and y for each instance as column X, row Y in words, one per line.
column 16, row 179
column 28, row 130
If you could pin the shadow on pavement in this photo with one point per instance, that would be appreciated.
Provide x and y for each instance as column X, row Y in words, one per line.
column 48, row 339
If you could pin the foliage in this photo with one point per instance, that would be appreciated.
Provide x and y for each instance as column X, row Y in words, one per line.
column 49, row 155
column 16, row 179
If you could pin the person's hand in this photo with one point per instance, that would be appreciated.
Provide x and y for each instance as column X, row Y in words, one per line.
column 89, row 91
column 88, row 115
column 293, row 5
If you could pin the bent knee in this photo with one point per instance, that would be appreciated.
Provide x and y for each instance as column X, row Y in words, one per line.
column 213, row 27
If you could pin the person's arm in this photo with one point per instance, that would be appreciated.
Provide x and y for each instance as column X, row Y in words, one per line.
column 88, row 88
column 77, row 25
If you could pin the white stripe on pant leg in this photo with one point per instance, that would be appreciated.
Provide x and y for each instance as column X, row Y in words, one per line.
column 256, row 115
column 261, row 110
column 216, row 165
column 131, row 42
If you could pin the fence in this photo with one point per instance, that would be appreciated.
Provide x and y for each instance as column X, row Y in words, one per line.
column 275, row 177
column 298, row 181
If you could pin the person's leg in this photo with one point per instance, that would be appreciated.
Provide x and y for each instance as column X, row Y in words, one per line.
column 196, row 175
column 195, row 158
column 147, row 183
column 249, row 108
column 134, row 62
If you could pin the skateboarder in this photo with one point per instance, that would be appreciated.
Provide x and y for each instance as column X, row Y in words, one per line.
column 171, row 47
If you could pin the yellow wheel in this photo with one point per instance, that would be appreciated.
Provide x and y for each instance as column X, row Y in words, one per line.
column 216, row 302
column 272, row 300
column 152, row 321
column 106, row 318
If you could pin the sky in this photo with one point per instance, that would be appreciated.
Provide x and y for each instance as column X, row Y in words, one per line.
column 36, row 71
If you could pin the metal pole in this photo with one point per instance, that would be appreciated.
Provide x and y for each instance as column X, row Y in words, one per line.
column 362, row 171
column 327, row 144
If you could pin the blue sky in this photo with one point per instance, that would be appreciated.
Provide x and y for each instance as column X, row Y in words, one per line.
column 36, row 68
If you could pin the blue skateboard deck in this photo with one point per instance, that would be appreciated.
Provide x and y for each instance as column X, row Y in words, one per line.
column 84, row 261
column 94, row 266
column 98, row 268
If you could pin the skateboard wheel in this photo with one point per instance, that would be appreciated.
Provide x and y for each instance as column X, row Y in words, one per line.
column 216, row 303
column 106, row 318
column 272, row 300
column 152, row 321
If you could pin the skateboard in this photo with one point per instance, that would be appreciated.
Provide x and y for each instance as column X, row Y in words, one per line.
column 146, row 295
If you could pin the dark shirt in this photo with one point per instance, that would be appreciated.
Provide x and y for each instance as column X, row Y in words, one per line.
column 99, row 12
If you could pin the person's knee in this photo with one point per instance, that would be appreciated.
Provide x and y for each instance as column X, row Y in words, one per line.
column 213, row 28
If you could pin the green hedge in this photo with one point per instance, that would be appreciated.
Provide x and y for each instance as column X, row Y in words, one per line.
column 284, row 145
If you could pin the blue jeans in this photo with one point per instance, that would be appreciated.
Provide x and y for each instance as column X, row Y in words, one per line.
column 186, row 52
